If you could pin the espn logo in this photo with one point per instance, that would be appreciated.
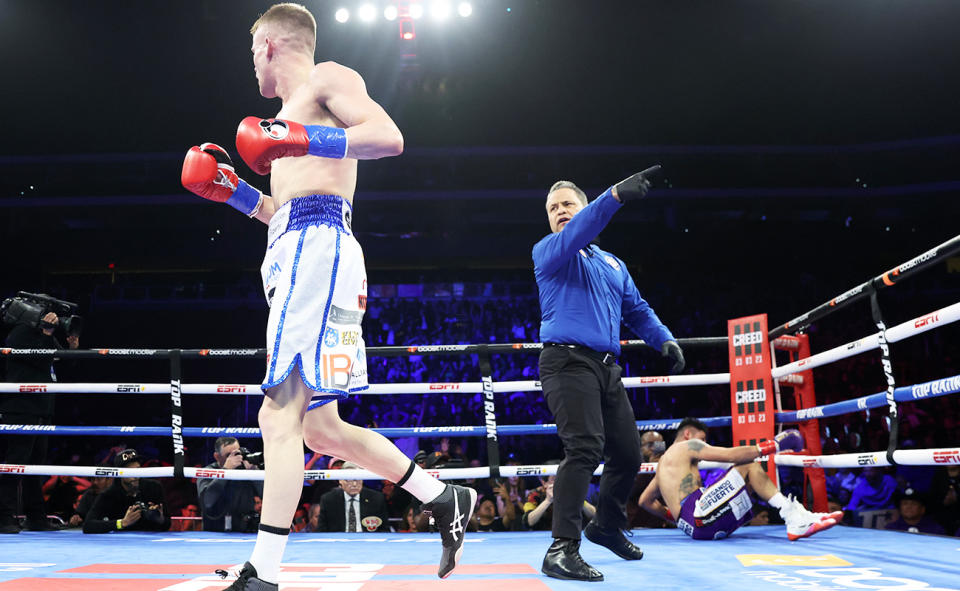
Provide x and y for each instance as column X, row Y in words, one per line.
column 106, row 472
column 809, row 462
column 11, row 469
column 655, row 380
column 866, row 460
column 928, row 319
column 947, row 457
column 522, row 471
column 202, row 473
column 444, row 386
column 223, row 388
column 123, row 388
column 33, row 388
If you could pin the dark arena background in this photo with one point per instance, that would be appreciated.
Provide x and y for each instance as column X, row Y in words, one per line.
column 807, row 148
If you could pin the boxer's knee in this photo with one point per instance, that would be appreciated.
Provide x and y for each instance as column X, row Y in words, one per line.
column 323, row 430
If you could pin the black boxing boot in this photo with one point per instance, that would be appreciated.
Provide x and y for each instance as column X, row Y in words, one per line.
column 451, row 513
column 247, row 580
column 563, row 561
column 614, row 541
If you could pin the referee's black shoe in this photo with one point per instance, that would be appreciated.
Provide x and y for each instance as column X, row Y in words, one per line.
column 563, row 561
column 614, row 541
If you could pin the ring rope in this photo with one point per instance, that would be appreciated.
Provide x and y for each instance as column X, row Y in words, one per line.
column 910, row 457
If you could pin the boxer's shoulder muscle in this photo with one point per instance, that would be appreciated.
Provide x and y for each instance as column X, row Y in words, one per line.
column 330, row 78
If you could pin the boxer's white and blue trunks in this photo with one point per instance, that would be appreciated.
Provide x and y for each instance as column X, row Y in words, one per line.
column 316, row 286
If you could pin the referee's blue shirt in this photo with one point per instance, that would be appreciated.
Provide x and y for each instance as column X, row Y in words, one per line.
column 585, row 291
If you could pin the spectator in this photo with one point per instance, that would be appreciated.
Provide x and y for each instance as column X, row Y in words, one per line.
column 61, row 494
column 874, row 490
column 913, row 515
column 761, row 515
column 129, row 503
column 28, row 409
column 414, row 520
column 508, row 514
column 396, row 498
column 353, row 507
column 486, row 516
column 538, row 510
column 190, row 519
column 945, row 496
column 652, row 447
column 98, row 484
column 228, row 505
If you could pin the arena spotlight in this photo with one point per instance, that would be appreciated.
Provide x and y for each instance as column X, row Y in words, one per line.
column 465, row 9
column 440, row 10
column 342, row 15
column 367, row 13
column 390, row 12
column 416, row 10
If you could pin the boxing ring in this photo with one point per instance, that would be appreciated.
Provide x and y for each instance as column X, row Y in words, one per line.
column 757, row 556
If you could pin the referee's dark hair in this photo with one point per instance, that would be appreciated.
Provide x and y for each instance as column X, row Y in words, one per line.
column 687, row 423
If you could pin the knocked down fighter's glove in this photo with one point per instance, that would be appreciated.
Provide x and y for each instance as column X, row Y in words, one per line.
column 789, row 440
column 674, row 353
column 636, row 186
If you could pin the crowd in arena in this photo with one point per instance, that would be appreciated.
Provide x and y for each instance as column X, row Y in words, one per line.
column 919, row 499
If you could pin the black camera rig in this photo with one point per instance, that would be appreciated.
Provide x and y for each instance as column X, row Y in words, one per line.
column 30, row 308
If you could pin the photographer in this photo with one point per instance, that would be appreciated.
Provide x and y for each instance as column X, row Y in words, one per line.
column 228, row 505
column 129, row 503
column 28, row 408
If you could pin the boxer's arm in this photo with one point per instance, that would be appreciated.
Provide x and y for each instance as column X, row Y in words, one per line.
column 371, row 133
column 267, row 209
column 743, row 454
column 650, row 501
column 557, row 248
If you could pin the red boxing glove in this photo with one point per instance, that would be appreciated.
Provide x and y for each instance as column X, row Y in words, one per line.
column 208, row 172
column 789, row 440
column 261, row 141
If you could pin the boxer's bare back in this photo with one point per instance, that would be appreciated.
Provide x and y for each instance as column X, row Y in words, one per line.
column 312, row 175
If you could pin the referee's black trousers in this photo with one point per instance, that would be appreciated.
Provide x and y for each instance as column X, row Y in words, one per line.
column 595, row 423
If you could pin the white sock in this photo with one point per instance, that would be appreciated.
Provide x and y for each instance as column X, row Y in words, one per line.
column 423, row 486
column 267, row 554
column 777, row 501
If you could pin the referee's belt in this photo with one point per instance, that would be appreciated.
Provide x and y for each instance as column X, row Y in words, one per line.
column 604, row 358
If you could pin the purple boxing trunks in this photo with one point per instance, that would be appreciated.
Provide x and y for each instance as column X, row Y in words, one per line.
column 717, row 511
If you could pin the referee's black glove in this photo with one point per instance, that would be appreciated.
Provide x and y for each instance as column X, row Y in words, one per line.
column 636, row 186
column 672, row 351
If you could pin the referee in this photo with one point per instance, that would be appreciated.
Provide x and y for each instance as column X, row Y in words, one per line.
column 584, row 294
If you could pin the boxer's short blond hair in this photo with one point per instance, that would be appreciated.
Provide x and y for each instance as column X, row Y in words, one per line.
column 294, row 20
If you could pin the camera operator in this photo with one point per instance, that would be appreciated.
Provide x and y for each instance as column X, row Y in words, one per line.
column 228, row 505
column 28, row 408
column 129, row 503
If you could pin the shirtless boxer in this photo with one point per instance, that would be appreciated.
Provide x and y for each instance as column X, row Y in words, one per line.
column 715, row 512
column 314, row 278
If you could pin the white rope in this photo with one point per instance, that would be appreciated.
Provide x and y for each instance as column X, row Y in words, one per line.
column 909, row 457
column 425, row 388
column 167, row 471
column 918, row 325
